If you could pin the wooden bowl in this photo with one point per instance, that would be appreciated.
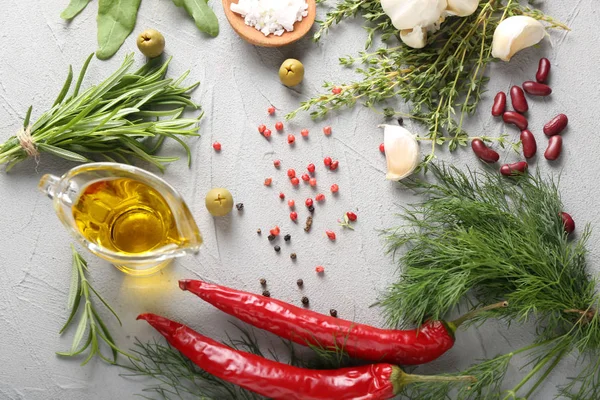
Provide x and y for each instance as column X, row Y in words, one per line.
column 257, row 38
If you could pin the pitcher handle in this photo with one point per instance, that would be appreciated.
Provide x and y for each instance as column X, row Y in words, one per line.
column 48, row 185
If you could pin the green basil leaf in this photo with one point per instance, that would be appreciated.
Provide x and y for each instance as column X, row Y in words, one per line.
column 74, row 8
column 116, row 20
column 203, row 15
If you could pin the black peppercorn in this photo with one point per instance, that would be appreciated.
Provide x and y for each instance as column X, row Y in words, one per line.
column 293, row 256
column 400, row 121
column 287, row 237
column 239, row 206
column 299, row 282
column 271, row 238
column 258, row 231
column 277, row 248
column 333, row 312
column 305, row 300
column 263, row 281
column 311, row 209
column 266, row 293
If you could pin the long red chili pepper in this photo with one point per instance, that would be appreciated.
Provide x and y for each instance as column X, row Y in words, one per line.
column 282, row 381
column 305, row 327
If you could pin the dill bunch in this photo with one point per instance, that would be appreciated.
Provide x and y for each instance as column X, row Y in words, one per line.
column 128, row 115
column 480, row 237
column 442, row 82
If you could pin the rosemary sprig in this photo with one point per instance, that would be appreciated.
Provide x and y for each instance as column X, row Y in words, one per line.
column 128, row 115
column 482, row 237
column 442, row 82
column 89, row 321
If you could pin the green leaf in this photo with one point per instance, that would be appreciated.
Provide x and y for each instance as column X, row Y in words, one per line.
column 74, row 8
column 203, row 15
column 74, row 287
column 80, row 331
column 116, row 20
column 65, row 88
column 62, row 153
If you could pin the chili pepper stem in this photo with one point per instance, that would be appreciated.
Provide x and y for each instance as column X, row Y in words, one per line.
column 472, row 314
column 401, row 379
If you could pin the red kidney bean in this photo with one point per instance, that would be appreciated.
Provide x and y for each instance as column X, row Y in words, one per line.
column 536, row 88
column 517, row 97
column 483, row 152
column 543, row 70
column 568, row 222
column 556, row 125
column 511, row 117
column 499, row 104
column 554, row 148
column 517, row 168
column 529, row 144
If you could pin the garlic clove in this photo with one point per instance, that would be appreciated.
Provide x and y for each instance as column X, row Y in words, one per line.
column 415, row 38
column 462, row 8
column 515, row 34
column 407, row 14
column 401, row 152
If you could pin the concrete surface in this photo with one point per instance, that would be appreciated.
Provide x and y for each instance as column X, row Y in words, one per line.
column 239, row 82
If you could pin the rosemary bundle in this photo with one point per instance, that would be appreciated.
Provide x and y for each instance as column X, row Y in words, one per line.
column 442, row 82
column 128, row 115
column 481, row 237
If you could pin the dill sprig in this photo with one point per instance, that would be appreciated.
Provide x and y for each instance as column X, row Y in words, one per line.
column 480, row 237
column 128, row 115
column 442, row 82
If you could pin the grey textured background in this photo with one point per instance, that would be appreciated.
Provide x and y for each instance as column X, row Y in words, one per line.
column 239, row 82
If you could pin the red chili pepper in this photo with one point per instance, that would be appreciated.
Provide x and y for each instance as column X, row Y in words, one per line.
column 305, row 327
column 282, row 381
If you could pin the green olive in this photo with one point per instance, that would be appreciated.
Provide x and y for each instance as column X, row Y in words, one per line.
column 219, row 202
column 291, row 72
column 151, row 43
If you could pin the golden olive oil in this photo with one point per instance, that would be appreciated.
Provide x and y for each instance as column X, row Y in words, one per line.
column 126, row 216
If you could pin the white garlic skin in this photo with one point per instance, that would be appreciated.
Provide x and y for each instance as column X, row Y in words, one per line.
column 401, row 152
column 408, row 14
column 462, row 8
column 415, row 38
column 515, row 34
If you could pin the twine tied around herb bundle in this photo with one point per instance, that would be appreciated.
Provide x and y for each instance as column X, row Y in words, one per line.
column 26, row 141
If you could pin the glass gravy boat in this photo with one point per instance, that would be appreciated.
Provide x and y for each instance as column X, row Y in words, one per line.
column 67, row 190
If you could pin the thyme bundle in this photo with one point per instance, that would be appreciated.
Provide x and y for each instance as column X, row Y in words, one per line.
column 482, row 237
column 129, row 114
column 443, row 82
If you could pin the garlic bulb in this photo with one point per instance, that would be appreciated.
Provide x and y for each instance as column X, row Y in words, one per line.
column 415, row 18
column 515, row 34
column 462, row 8
column 401, row 152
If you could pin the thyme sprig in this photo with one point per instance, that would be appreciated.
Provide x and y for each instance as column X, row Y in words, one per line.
column 128, row 115
column 90, row 320
column 443, row 82
column 480, row 237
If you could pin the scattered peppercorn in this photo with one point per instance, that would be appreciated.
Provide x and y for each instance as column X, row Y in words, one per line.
column 336, row 90
column 334, row 165
column 291, row 139
column 293, row 256
column 239, row 206
column 282, row 195
column 300, row 282
column 279, row 126
column 320, row 197
column 327, row 130
column 277, row 248
column 262, row 128
column 335, row 188
column 271, row 110
column 400, row 121
column 267, row 133
column 277, row 163
column 333, row 313
column 313, row 182
column 351, row 216
column 305, row 177
column 311, row 209
column 308, row 202
column 291, row 173
column 263, row 281
column 293, row 215
column 291, row 203
column 287, row 237
column 320, row 269
column 268, row 181
column 305, row 300
column 266, row 293
column 311, row 168
column 217, row 146
column 304, row 132
column 271, row 238
column 259, row 231
column 308, row 225
column 382, row 148
column 330, row 235
column 327, row 161
column 275, row 231
column 295, row 181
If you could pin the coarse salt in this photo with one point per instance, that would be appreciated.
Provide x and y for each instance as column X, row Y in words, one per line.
column 271, row 16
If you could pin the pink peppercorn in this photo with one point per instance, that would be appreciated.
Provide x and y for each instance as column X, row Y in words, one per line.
column 320, row 197
column 277, row 163
column 291, row 172
column 291, row 203
column 313, row 182
column 267, row 133
column 336, row 90
column 382, row 148
column 217, row 146
column 262, row 128
column 327, row 130
column 304, row 132
column 268, row 181
column 327, row 161
column 282, row 195
column 293, row 215
column 291, row 139
column 330, row 235
column 305, row 177
column 271, row 110
column 311, row 168
column 279, row 126
column 334, row 165
column 308, row 202
column 319, row 269
column 335, row 188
